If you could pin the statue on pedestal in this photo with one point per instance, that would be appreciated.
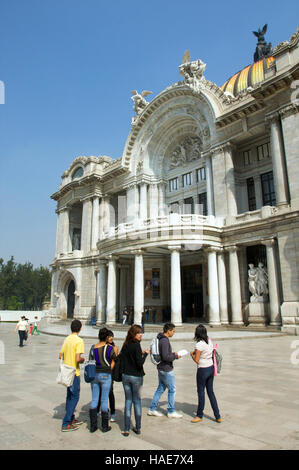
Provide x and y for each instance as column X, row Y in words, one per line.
column 258, row 282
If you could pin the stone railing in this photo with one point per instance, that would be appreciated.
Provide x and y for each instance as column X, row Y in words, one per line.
column 162, row 224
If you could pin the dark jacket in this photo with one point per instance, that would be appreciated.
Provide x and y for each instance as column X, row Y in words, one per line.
column 166, row 354
column 132, row 359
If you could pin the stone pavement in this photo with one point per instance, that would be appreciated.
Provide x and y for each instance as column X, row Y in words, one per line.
column 257, row 393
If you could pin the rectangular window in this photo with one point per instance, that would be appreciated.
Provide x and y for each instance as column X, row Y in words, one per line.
column 173, row 184
column 247, row 157
column 263, row 151
column 187, row 179
column 251, row 194
column 269, row 198
column 202, row 201
column 201, row 174
column 188, row 205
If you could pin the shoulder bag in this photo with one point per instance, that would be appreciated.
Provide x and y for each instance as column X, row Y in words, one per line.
column 90, row 367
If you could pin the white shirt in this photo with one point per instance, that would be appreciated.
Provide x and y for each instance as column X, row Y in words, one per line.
column 206, row 352
column 22, row 325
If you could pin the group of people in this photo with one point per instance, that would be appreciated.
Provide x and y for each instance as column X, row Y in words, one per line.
column 133, row 357
column 24, row 327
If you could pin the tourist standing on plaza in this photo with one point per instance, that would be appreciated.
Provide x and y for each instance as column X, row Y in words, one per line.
column 104, row 355
column 110, row 340
column 35, row 327
column 202, row 355
column 22, row 328
column 165, row 374
column 133, row 358
column 71, row 351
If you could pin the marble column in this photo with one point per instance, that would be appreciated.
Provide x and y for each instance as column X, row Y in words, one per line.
column 232, row 209
column 138, row 286
column 278, row 160
column 95, row 222
column 273, row 282
column 132, row 203
column 101, row 217
column 62, row 231
column 153, row 201
column 101, row 296
column 106, row 214
column 161, row 199
column 143, row 201
column 258, row 191
column 175, row 285
column 210, row 187
column 86, row 225
column 123, row 286
column 214, row 315
column 111, row 291
column 235, row 286
column 223, row 309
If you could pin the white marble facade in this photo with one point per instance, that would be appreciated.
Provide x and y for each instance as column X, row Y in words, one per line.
column 206, row 180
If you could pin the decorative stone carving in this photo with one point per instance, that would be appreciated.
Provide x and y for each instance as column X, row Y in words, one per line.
column 139, row 101
column 257, row 282
column 192, row 71
column 187, row 150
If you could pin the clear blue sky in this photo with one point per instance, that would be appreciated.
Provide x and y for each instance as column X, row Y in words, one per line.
column 69, row 66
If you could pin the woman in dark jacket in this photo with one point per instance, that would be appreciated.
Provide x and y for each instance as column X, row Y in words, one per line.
column 132, row 376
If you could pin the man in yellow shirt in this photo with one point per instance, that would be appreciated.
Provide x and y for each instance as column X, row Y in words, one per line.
column 71, row 351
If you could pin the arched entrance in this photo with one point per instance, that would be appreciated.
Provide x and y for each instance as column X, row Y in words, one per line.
column 70, row 299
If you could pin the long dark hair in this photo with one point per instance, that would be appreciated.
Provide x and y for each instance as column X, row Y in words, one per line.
column 201, row 334
column 133, row 331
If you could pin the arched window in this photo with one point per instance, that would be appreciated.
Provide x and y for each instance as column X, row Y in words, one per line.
column 78, row 173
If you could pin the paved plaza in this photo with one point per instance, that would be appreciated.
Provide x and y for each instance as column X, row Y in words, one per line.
column 257, row 393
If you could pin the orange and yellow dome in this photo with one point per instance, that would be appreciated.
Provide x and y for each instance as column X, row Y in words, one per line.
column 249, row 76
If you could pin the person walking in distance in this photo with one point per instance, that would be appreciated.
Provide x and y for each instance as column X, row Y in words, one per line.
column 202, row 356
column 71, row 351
column 22, row 328
column 35, row 326
column 165, row 374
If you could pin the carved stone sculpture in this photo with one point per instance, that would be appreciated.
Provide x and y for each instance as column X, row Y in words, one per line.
column 192, row 71
column 257, row 282
column 139, row 101
column 187, row 150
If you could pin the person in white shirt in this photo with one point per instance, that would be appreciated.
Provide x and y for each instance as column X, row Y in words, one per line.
column 202, row 355
column 22, row 328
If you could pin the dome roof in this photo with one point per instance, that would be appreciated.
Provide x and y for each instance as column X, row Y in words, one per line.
column 249, row 76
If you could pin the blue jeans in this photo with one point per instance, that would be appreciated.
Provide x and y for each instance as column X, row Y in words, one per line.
column 102, row 381
column 72, row 398
column 205, row 379
column 166, row 380
column 132, row 386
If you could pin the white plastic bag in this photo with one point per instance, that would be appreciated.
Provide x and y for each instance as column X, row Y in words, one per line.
column 66, row 374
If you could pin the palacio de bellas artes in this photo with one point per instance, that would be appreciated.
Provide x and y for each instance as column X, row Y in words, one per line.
column 198, row 219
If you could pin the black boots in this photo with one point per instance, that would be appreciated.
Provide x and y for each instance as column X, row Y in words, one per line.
column 105, row 422
column 93, row 419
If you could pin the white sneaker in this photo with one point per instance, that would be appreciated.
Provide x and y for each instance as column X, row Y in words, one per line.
column 154, row 413
column 174, row 415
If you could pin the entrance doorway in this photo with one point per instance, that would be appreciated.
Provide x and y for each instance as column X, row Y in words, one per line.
column 192, row 294
column 71, row 300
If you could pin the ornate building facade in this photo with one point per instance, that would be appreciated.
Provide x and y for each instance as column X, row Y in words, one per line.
column 206, row 186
